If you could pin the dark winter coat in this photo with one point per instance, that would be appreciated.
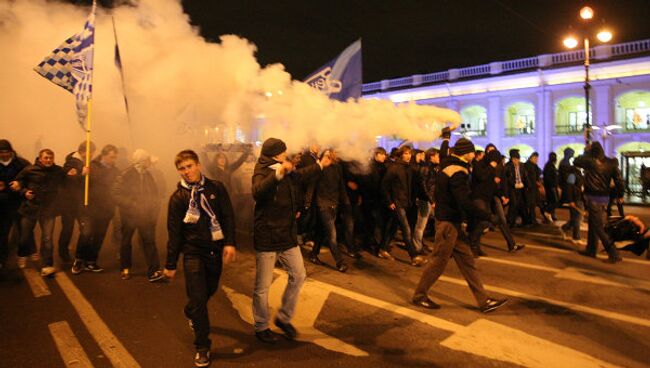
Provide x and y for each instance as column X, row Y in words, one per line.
column 45, row 183
column 401, row 185
column 10, row 200
column 72, row 193
column 510, row 177
column 551, row 176
column 426, row 174
column 197, row 238
column 371, row 184
column 276, row 205
column 483, row 185
column 453, row 194
column 308, row 187
column 136, row 195
column 330, row 187
column 598, row 174
column 102, row 179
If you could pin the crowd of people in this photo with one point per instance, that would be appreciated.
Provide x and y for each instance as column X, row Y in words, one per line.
column 453, row 195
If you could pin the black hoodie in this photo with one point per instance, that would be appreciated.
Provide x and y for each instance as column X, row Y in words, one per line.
column 453, row 194
column 276, row 204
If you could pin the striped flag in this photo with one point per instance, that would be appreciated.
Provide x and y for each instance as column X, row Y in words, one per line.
column 70, row 66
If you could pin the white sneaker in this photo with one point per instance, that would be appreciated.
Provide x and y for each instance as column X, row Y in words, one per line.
column 35, row 257
column 47, row 271
column 22, row 262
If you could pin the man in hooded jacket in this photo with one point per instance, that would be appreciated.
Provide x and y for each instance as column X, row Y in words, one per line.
column 275, row 190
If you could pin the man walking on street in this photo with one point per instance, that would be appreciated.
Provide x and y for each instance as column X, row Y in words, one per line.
column 453, row 200
column 275, row 183
column 201, row 225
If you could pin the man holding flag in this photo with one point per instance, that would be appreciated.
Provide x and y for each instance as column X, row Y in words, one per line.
column 70, row 66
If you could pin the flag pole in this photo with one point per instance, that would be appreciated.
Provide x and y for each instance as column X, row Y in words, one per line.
column 121, row 69
column 87, row 178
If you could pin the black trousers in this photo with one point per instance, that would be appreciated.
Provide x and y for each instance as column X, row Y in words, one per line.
column 147, row 230
column 517, row 207
column 8, row 220
column 94, row 227
column 399, row 218
column 375, row 222
column 596, row 231
column 202, row 273
column 327, row 217
column 69, row 215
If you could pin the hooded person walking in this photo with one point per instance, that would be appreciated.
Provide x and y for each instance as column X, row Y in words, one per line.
column 275, row 187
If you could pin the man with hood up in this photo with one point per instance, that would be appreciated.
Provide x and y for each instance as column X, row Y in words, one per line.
column 10, row 165
column 564, row 171
column 275, row 187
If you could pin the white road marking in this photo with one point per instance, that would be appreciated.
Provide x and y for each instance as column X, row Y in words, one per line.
column 110, row 345
column 483, row 338
column 36, row 283
column 576, row 307
column 579, row 274
column 72, row 353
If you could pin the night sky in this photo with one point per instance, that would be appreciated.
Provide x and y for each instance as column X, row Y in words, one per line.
column 405, row 37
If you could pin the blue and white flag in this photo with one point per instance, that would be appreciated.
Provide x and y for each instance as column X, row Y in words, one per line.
column 70, row 66
column 340, row 79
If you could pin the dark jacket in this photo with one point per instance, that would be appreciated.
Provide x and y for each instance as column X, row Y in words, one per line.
column 102, row 179
column 45, row 182
column 136, row 195
column 371, row 184
column 10, row 200
column 72, row 192
column 308, row 187
column 511, row 177
column 453, row 194
column 598, row 174
column 330, row 187
column 276, row 205
column 401, row 185
column 551, row 176
column 197, row 238
column 427, row 174
column 483, row 185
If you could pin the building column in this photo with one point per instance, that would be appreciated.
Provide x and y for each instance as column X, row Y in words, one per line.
column 603, row 114
column 495, row 121
column 546, row 102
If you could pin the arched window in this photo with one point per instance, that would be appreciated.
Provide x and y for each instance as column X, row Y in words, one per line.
column 570, row 115
column 474, row 120
column 633, row 111
column 520, row 119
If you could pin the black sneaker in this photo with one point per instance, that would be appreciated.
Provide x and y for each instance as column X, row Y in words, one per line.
column 314, row 259
column 288, row 329
column 156, row 276
column 613, row 260
column 202, row 358
column 516, row 248
column 342, row 268
column 425, row 302
column 77, row 267
column 266, row 336
column 492, row 304
column 93, row 267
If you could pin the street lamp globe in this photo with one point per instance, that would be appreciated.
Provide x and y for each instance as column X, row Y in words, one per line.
column 586, row 13
column 570, row 42
column 604, row 36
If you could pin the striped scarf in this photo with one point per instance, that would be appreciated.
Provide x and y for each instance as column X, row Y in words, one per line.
column 194, row 213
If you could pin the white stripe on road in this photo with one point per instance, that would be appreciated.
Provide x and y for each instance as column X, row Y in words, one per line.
column 579, row 274
column 110, row 345
column 575, row 307
column 36, row 283
column 72, row 353
column 482, row 338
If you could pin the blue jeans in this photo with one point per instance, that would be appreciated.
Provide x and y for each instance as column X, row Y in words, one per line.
column 399, row 216
column 26, row 245
column 574, row 221
column 292, row 262
column 424, row 210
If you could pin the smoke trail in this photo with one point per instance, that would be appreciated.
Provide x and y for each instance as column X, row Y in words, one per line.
column 183, row 91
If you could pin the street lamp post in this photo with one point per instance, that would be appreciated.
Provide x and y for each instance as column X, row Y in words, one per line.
column 587, row 14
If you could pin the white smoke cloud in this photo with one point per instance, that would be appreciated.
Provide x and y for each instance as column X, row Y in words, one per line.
column 183, row 91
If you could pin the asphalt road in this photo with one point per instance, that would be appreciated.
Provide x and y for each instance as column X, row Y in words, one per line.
column 564, row 310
